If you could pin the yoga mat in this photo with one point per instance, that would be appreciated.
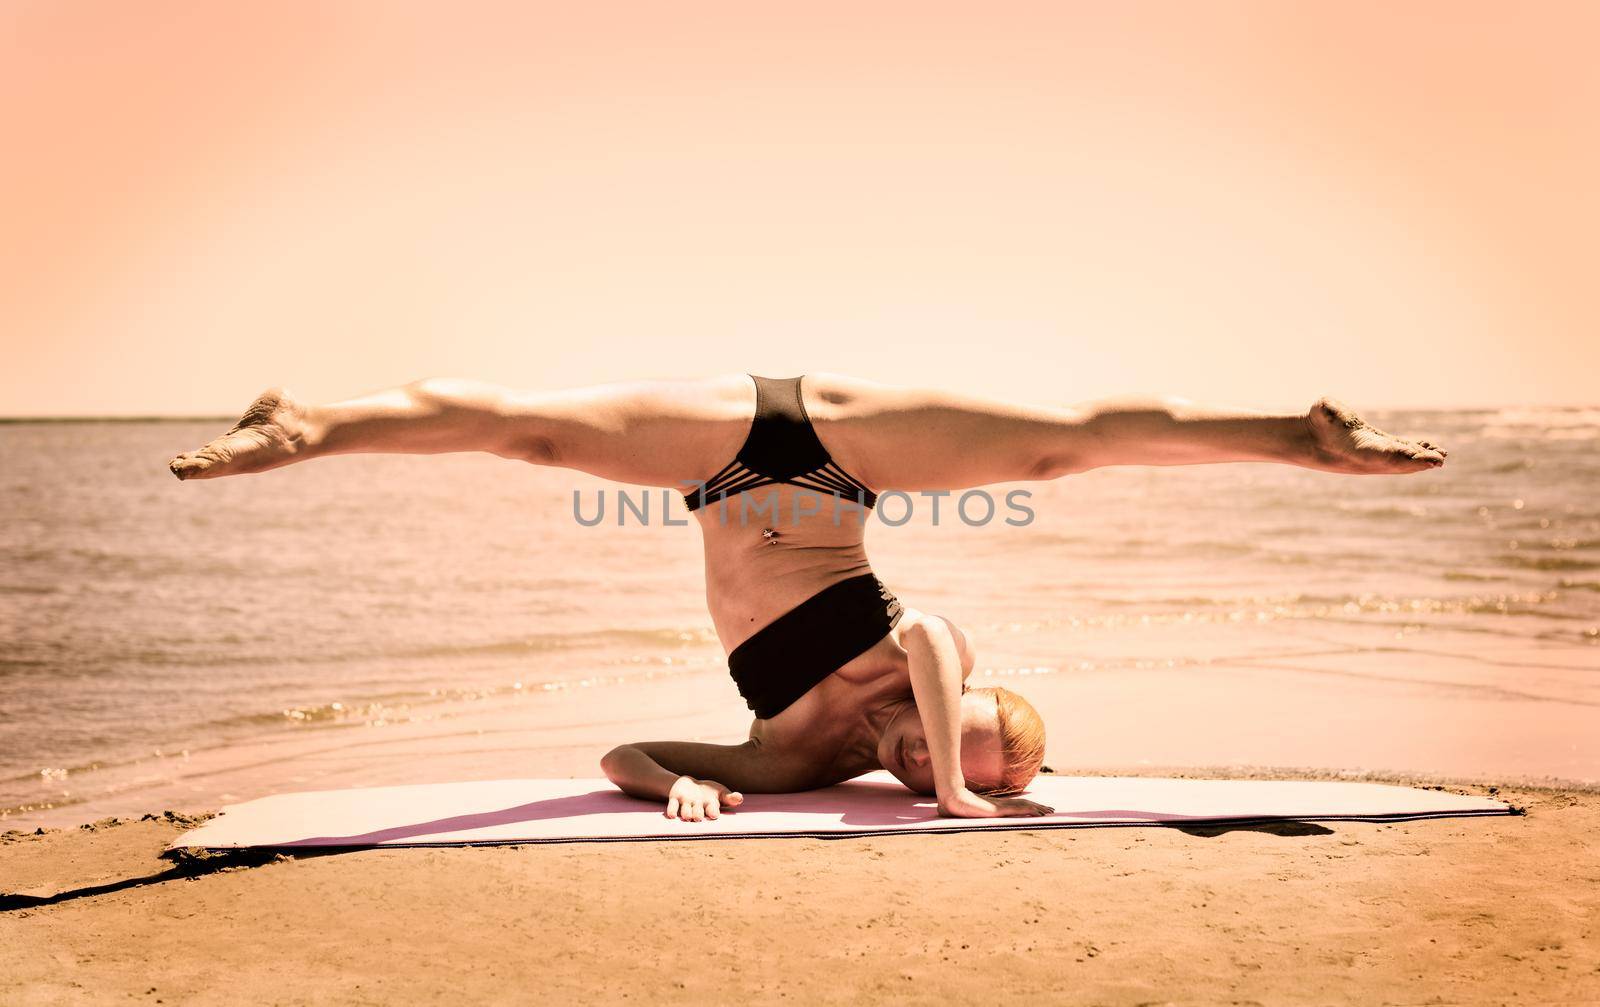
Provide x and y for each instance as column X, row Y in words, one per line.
column 558, row 811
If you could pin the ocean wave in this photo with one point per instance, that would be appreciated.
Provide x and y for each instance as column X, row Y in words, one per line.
column 1519, row 465
column 1545, row 418
column 1369, row 508
column 1547, row 562
column 183, row 654
column 1560, row 433
column 1567, row 516
column 147, row 564
column 613, row 637
column 1537, row 604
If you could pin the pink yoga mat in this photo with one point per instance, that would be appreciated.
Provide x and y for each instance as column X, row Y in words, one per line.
column 555, row 811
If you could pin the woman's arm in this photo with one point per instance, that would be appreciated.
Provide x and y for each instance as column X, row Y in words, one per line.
column 936, row 678
column 697, row 779
column 936, row 685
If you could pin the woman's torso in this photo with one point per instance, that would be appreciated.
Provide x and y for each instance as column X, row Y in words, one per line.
column 767, row 551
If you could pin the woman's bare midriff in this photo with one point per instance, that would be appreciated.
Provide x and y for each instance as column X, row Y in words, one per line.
column 761, row 561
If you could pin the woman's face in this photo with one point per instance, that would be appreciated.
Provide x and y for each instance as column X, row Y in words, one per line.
column 903, row 749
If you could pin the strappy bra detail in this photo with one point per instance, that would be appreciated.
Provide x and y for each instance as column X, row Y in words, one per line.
column 782, row 447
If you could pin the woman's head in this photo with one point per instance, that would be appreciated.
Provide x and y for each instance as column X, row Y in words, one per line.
column 1021, row 740
column 1002, row 744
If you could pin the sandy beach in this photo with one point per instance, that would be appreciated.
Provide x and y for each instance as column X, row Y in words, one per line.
column 1498, row 910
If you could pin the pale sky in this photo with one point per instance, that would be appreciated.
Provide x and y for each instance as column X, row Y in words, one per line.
column 1247, row 203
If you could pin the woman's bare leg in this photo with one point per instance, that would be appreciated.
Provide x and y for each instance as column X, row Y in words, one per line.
column 657, row 433
column 915, row 439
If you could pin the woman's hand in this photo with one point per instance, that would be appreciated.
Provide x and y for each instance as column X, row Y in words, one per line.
column 965, row 804
column 692, row 800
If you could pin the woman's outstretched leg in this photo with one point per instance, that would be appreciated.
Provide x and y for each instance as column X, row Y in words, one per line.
column 917, row 439
column 658, row 433
column 1328, row 436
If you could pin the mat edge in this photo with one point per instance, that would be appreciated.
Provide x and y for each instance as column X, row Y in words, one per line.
column 859, row 834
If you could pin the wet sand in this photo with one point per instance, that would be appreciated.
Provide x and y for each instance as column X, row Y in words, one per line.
column 1480, row 910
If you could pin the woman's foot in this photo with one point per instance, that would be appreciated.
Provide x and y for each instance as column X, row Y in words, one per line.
column 271, row 433
column 1343, row 442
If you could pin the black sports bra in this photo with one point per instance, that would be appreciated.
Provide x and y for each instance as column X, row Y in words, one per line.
column 782, row 448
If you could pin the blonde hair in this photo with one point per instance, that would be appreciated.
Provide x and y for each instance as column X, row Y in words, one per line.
column 1021, row 741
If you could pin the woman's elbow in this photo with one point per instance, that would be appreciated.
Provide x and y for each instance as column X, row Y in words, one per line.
column 611, row 763
column 928, row 630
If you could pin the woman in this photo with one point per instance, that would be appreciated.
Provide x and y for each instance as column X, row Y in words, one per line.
column 779, row 473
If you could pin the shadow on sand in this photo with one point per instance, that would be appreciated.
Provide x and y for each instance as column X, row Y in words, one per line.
column 1285, row 828
column 185, row 864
